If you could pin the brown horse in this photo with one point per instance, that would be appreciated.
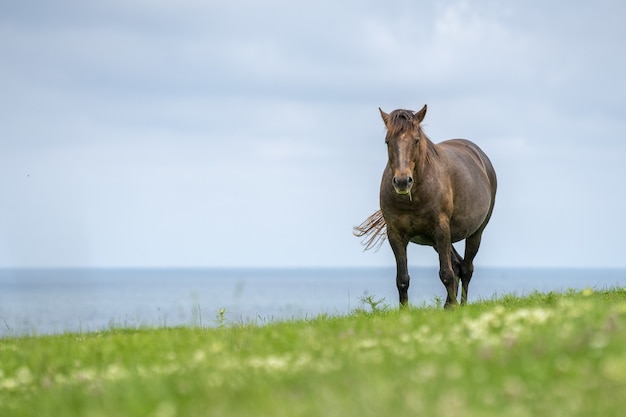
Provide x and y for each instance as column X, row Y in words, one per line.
column 431, row 194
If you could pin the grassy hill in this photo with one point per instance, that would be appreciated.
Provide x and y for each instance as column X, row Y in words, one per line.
column 540, row 355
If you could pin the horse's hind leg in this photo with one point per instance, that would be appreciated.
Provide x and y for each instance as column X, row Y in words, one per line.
column 472, row 244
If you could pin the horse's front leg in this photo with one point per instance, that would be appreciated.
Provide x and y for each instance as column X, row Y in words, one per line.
column 398, row 245
column 457, row 261
column 446, row 272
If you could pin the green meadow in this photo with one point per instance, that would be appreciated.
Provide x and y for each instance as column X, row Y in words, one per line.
column 556, row 354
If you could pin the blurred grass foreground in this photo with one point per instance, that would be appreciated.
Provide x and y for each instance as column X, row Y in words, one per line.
column 555, row 354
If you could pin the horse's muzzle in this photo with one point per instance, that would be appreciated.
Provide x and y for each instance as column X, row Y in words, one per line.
column 403, row 184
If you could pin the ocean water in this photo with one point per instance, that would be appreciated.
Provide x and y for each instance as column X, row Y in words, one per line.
column 48, row 301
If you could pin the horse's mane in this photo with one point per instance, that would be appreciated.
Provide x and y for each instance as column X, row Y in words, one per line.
column 400, row 121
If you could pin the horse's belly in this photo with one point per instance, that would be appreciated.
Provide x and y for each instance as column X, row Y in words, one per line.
column 423, row 240
column 470, row 211
column 463, row 228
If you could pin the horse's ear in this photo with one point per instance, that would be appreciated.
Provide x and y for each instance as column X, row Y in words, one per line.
column 419, row 116
column 385, row 116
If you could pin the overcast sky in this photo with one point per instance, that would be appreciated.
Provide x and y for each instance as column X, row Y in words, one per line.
column 247, row 133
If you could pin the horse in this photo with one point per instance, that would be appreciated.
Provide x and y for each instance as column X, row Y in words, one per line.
column 431, row 194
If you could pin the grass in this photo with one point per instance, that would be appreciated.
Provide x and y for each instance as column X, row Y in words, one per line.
column 542, row 354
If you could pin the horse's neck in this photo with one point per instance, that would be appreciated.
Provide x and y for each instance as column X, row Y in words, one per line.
column 427, row 156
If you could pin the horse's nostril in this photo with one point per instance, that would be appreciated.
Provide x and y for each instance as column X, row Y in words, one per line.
column 402, row 182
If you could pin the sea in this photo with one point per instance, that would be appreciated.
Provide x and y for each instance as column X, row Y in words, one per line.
column 54, row 301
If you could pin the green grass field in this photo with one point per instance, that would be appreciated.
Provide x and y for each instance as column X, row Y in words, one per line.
column 540, row 355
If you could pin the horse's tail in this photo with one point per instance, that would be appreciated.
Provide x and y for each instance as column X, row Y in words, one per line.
column 373, row 231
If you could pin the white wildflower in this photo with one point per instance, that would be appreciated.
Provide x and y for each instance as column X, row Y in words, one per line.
column 367, row 343
column 23, row 376
column 270, row 363
column 115, row 372
column 165, row 409
column 84, row 375
column 199, row 356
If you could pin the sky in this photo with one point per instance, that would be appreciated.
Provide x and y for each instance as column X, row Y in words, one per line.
column 240, row 133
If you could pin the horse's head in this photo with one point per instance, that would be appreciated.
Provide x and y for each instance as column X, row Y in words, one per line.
column 403, row 139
